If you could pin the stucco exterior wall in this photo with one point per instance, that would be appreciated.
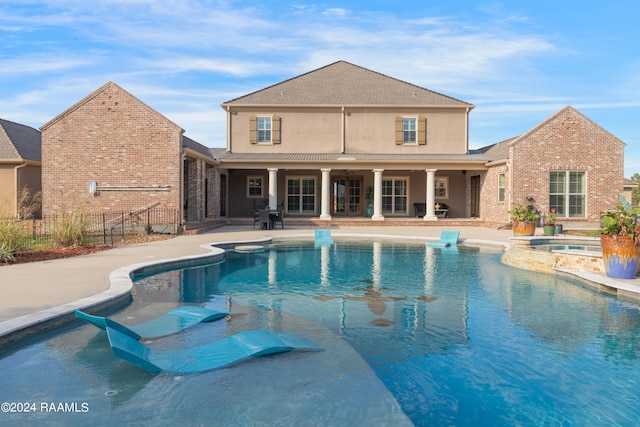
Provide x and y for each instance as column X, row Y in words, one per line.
column 8, row 194
column 366, row 130
column 113, row 138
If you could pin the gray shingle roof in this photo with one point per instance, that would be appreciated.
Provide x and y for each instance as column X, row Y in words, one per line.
column 344, row 84
column 26, row 141
column 197, row 147
column 497, row 151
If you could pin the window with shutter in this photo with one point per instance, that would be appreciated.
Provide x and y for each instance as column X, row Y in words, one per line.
column 275, row 133
column 398, row 130
column 422, row 130
column 253, row 129
column 264, row 129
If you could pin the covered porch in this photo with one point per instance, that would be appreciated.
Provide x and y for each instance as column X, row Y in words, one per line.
column 372, row 192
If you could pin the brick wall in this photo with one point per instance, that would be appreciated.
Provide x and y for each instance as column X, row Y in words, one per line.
column 118, row 141
column 568, row 141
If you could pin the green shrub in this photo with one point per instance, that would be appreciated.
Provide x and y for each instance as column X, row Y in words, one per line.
column 12, row 237
column 6, row 253
column 70, row 229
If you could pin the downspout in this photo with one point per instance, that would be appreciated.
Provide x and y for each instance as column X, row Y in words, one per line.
column 17, row 189
column 344, row 132
column 466, row 128
column 228, row 129
column 183, row 155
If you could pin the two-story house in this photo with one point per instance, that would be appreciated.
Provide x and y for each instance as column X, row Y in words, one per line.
column 317, row 142
column 338, row 142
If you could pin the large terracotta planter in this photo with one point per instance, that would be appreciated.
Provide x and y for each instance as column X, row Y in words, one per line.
column 524, row 228
column 621, row 256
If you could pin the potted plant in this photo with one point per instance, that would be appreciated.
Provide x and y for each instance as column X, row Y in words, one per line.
column 620, row 241
column 549, row 227
column 524, row 219
column 369, row 196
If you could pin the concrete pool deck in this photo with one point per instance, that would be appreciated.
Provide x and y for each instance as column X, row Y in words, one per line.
column 36, row 296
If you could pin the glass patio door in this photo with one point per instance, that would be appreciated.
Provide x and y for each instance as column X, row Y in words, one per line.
column 347, row 196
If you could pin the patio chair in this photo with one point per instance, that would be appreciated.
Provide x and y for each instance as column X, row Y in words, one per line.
column 264, row 219
column 420, row 209
column 278, row 217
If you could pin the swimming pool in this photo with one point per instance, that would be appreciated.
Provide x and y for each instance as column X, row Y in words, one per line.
column 410, row 335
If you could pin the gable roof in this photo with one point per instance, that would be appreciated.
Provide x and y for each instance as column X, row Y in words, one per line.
column 109, row 86
column 345, row 84
column 21, row 142
column 500, row 150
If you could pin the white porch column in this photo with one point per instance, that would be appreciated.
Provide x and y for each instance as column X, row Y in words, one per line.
column 377, row 195
column 431, row 189
column 273, row 188
column 326, row 193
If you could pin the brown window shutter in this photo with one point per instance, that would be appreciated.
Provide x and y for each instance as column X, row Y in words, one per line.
column 399, row 131
column 275, row 130
column 253, row 129
column 422, row 130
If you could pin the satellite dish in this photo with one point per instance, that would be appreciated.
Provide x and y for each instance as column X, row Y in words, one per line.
column 93, row 187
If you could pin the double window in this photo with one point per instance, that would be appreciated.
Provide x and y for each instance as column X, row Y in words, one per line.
column 567, row 193
column 395, row 193
column 301, row 195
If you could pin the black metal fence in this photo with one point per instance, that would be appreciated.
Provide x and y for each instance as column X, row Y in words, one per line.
column 103, row 228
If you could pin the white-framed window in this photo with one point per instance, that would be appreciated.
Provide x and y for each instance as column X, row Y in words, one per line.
column 301, row 194
column 255, row 186
column 409, row 130
column 441, row 184
column 395, row 195
column 501, row 187
column 567, row 193
column 264, row 129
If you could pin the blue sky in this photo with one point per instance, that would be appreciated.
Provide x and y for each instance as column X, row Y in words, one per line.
column 517, row 62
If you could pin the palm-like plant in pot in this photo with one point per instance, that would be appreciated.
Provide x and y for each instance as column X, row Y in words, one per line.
column 524, row 219
column 620, row 241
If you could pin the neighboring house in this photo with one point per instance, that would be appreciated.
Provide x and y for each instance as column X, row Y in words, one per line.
column 567, row 163
column 110, row 152
column 20, row 162
column 315, row 143
column 629, row 187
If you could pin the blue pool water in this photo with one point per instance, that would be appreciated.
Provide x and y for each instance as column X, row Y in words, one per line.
column 412, row 335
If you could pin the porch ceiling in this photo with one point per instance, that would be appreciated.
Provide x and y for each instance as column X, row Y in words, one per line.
column 353, row 161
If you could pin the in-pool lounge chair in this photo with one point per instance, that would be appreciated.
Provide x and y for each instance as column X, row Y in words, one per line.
column 447, row 239
column 322, row 237
column 215, row 355
column 167, row 324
